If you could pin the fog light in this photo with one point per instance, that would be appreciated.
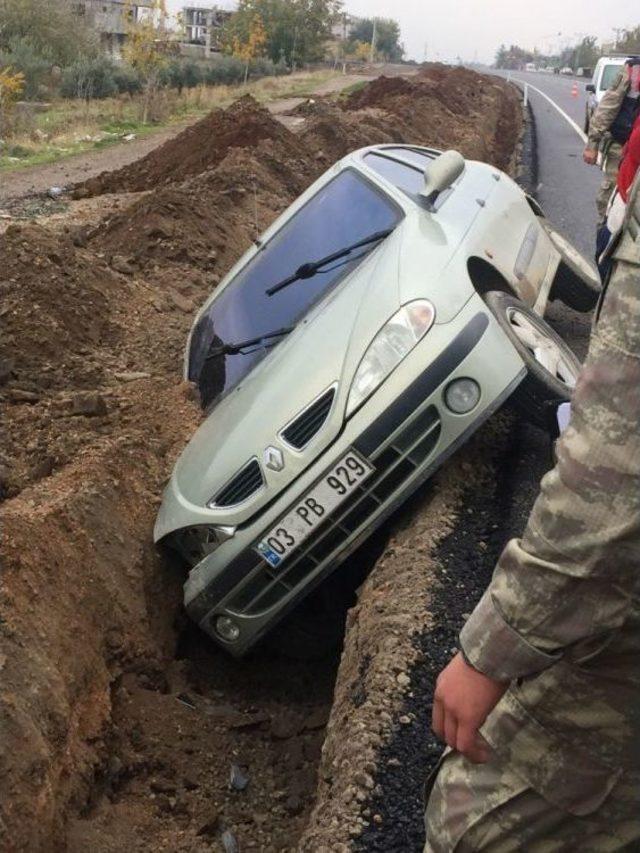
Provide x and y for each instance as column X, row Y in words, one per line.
column 462, row 395
column 227, row 628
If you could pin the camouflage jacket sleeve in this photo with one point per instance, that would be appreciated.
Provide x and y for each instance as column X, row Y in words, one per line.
column 569, row 581
column 607, row 110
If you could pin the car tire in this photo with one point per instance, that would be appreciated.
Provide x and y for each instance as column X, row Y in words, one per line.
column 552, row 367
column 576, row 283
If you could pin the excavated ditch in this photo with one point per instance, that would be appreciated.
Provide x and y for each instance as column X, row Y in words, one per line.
column 490, row 513
column 122, row 726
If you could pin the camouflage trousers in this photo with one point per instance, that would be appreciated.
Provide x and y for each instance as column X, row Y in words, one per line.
column 487, row 807
column 609, row 177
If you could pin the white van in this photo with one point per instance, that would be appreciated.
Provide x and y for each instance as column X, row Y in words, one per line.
column 605, row 72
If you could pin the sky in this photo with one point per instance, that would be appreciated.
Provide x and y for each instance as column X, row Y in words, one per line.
column 474, row 29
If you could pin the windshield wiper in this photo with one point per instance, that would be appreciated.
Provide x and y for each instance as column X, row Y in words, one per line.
column 234, row 349
column 310, row 269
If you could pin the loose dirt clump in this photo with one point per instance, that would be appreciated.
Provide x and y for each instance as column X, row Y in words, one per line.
column 200, row 147
column 120, row 727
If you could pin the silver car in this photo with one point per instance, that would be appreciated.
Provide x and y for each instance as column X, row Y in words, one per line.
column 364, row 337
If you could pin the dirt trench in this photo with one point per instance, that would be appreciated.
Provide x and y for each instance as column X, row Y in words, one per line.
column 121, row 725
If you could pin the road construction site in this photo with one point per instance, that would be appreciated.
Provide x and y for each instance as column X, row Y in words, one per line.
column 123, row 726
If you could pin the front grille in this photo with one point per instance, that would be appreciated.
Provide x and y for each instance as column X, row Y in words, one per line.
column 307, row 424
column 241, row 487
column 395, row 463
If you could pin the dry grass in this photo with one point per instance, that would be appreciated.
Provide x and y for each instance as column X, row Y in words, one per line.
column 72, row 126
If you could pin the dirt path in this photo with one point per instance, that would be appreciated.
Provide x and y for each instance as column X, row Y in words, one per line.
column 34, row 180
column 70, row 170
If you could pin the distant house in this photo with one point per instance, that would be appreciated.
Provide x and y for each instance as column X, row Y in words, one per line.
column 110, row 19
column 203, row 27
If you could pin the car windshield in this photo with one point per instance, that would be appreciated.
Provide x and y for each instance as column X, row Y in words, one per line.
column 609, row 74
column 344, row 211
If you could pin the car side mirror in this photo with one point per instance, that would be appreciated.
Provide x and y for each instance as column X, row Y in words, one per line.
column 590, row 88
column 440, row 174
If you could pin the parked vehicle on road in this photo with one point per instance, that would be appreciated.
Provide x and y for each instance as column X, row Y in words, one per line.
column 369, row 332
column 606, row 70
column 568, row 72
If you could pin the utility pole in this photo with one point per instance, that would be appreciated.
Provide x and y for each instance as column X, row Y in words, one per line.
column 374, row 38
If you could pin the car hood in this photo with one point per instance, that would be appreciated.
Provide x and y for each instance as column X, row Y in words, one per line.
column 324, row 349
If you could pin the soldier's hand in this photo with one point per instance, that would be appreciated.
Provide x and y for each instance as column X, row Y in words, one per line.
column 463, row 699
column 590, row 156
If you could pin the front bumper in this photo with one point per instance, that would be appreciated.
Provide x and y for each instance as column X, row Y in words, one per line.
column 406, row 439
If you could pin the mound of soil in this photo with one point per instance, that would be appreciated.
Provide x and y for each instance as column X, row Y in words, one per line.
column 375, row 93
column 200, row 147
column 204, row 222
column 446, row 107
column 115, row 734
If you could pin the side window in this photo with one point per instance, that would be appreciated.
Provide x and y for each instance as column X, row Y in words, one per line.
column 407, row 178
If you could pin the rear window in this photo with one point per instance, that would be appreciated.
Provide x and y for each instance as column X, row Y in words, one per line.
column 344, row 211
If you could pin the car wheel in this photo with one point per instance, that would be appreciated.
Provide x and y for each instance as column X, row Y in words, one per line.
column 552, row 367
column 576, row 283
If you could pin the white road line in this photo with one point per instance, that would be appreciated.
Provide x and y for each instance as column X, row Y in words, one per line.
column 575, row 126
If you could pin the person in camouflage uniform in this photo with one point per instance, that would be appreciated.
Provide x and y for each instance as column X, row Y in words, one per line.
column 541, row 708
column 600, row 139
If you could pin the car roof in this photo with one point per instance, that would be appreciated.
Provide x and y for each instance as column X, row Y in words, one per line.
column 619, row 59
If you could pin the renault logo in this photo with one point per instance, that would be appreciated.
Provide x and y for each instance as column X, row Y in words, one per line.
column 273, row 458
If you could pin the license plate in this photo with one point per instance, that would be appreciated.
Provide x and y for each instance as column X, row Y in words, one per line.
column 314, row 508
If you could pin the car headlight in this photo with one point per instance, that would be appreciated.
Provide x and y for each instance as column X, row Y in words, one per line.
column 394, row 341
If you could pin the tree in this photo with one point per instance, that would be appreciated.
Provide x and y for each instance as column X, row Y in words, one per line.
column 629, row 42
column 35, row 65
column 585, row 54
column 254, row 45
column 359, row 50
column 52, row 27
column 295, row 30
column 513, row 57
column 147, row 47
column 387, row 37
column 11, row 86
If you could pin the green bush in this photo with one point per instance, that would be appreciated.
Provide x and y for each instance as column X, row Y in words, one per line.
column 126, row 79
column 182, row 75
column 224, row 70
column 191, row 75
column 21, row 54
column 89, row 78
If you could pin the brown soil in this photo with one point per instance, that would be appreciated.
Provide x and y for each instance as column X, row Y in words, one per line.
column 115, row 733
column 449, row 108
column 199, row 148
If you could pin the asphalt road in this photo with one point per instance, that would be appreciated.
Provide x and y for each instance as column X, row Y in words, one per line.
column 567, row 187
